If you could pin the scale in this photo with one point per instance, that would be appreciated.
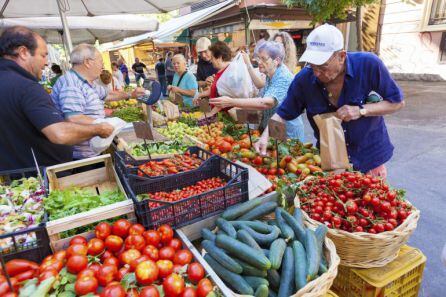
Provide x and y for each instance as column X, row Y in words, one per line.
column 154, row 89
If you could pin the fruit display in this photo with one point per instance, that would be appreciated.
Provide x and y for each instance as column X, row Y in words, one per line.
column 123, row 259
column 129, row 114
column 354, row 202
column 176, row 130
column 121, row 103
column 175, row 164
column 202, row 134
column 158, row 148
column 274, row 257
column 21, row 207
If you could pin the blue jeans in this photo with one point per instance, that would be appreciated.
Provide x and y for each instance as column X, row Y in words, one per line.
column 163, row 82
column 126, row 80
column 138, row 76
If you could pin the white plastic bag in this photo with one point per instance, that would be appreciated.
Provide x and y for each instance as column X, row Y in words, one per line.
column 236, row 82
column 98, row 144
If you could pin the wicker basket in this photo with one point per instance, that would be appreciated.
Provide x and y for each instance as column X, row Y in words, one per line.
column 365, row 250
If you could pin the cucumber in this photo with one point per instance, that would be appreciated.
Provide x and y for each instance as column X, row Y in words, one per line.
column 263, row 239
column 262, row 291
column 298, row 228
column 298, row 216
column 271, row 293
column 243, row 251
column 313, row 254
column 238, row 210
column 255, row 225
column 221, row 257
column 207, row 234
column 285, row 229
column 221, row 232
column 234, row 280
column 273, row 278
column 287, row 275
column 226, row 227
column 251, row 270
column 245, row 237
column 320, row 233
column 323, row 266
column 259, row 211
column 276, row 252
column 266, row 253
column 255, row 281
column 300, row 268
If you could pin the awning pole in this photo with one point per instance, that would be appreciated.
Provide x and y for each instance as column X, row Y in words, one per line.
column 66, row 30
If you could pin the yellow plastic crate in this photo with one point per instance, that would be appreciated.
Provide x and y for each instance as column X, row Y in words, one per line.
column 400, row 278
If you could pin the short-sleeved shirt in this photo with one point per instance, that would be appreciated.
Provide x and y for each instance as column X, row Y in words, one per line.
column 367, row 140
column 124, row 69
column 205, row 69
column 26, row 109
column 188, row 82
column 160, row 69
column 73, row 95
column 120, row 78
column 169, row 65
column 139, row 67
column 277, row 87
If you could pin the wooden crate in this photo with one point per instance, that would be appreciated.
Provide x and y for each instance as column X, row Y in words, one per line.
column 97, row 180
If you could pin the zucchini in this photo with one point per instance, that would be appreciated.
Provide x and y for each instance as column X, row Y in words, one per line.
column 221, row 257
column 255, row 281
column 262, row 291
column 276, row 252
column 298, row 228
column 238, row 210
column 285, row 229
column 287, row 276
column 298, row 216
column 300, row 268
column 266, row 253
column 271, row 293
column 313, row 254
column 251, row 270
column 221, row 232
column 226, row 227
column 207, row 234
column 263, row 239
column 273, row 278
column 243, row 251
column 255, row 225
column 320, row 233
column 259, row 211
column 245, row 237
column 234, row 280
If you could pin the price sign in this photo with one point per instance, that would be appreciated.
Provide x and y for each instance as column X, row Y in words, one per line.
column 204, row 105
column 143, row 130
column 247, row 116
column 277, row 130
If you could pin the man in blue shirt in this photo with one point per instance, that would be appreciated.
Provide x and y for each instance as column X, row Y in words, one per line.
column 341, row 82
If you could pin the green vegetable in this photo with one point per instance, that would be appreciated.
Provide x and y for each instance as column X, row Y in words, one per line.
column 255, row 225
column 159, row 148
column 207, row 234
column 300, row 269
column 298, row 228
column 313, row 254
column 255, row 281
column 226, row 227
column 251, row 270
column 221, row 257
column 286, row 230
column 263, row 239
column 276, row 252
column 262, row 291
column 44, row 287
column 259, row 211
column 129, row 114
column 238, row 210
column 273, row 277
column 245, row 237
column 286, row 280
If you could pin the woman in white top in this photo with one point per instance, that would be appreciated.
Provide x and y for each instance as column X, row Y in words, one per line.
column 117, row 74
column 107, row 81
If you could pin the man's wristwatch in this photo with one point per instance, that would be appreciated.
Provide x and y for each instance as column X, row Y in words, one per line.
column 362, row 111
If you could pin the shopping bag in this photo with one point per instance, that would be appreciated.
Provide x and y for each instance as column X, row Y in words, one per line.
column 171, row 110
column 332, row 142
column 236, row 82
column 98, row 144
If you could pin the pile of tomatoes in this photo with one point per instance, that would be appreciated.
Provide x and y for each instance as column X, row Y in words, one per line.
column 176, row 164
column 125, row 260
column 354, row 202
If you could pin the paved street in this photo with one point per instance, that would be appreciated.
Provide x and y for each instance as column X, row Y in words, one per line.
column 418, row 133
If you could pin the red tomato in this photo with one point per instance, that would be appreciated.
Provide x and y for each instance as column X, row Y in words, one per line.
column 107, row 274
column 77, row 249
column 85, row 285
column 146, row 272
column 78, row 240
column 135, row 262
column 176, row 244
column 95, row 246
column 189, row 292
column 51, row 264
column 129, row 255
column 167, row 253
column 177, row 268
column 111, row 261
column 152, row 252
column 166, row 233
column 123, row 271
column 121, row 228
column 195, row 272
column 149, row 291
column 137, row 229
column 113, row 290
column 173, row 285
column 105, row 255
column 183, row 257
column 204, row 287
column 47, row 273
column 77, row 263
column 95, row 267
column 102, row 230
column 87, row 272
column 17, row 266
column 165, row 268
column 152, row 237
column 135, row 242
column 113, row 243
column 60, row 255
column 26, row 275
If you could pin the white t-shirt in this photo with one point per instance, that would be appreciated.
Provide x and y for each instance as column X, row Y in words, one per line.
column 109, row 87
column 119, row 79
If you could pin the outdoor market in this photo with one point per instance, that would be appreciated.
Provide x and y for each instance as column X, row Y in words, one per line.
column 211, row 148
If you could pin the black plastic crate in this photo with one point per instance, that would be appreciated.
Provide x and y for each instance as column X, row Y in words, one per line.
column 195, row 208
column 37, row 249
column 126, row 165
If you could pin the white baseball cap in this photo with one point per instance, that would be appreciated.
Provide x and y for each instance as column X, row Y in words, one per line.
column 322, row 43
column 203, row 44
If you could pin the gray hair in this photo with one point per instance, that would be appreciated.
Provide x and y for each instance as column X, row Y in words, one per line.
column 81, row 53
column 274, row 49
column 180, row 57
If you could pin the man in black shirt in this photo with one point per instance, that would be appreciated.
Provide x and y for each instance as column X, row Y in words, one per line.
column 138, row 70
column 160, row 69
column 28, row 118
column 205, row 70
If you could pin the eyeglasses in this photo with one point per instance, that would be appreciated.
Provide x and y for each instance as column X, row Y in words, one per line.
column 263, row 60
column 322, row 67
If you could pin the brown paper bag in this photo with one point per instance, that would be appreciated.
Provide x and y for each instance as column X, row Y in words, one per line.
column 332, row 142
column 171, row 110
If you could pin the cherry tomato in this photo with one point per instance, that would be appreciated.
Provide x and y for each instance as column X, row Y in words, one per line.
column 165, row 268
column 204, row 287
column 173, row 285
column 129, row 255
column 85, row 285
column 107, row 274
column 166, row 233
column 189, row 292
column 95, row 246
column 352, row 207
column 113, row 243
column 152, row 252
column 102, row 230
column 77, row 249
column 137, row 229
column 121, row 228
column 183, row 257
column 111, row 261
column 78, row 240
column 135, row 242
column 149, row 291
column 167, row 253
column 113, row 290
column 146, row 272
column 77, row 263
column 152, row 237
column 195, row 272
column 176, row 244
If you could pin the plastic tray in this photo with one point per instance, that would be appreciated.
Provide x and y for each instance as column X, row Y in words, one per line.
column 195, row 208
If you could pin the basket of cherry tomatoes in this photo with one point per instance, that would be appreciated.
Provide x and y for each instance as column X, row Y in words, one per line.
column 367, row 219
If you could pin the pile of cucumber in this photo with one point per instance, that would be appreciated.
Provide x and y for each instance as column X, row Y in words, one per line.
column 264, row 258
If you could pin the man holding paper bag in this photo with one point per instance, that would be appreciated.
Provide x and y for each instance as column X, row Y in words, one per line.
column 346, row 84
